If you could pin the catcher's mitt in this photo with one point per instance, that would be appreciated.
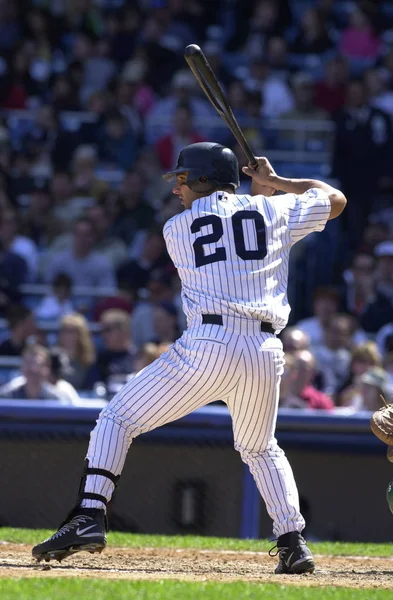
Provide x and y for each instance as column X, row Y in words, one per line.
column 381, row 424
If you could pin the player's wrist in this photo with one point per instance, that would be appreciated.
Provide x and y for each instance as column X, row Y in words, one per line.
column 274, row 181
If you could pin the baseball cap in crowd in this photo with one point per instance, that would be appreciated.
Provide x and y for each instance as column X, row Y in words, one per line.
column 384, row 249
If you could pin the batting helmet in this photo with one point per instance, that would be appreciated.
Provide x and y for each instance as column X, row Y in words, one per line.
column 209, row 167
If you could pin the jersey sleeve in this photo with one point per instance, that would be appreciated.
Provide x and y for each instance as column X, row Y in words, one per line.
column 306, row 212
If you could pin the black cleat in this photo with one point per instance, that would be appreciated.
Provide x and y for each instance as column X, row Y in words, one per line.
column 295, row 557
column 84, row 530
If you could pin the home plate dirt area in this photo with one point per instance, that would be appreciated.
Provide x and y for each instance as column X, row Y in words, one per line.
column 197, row 565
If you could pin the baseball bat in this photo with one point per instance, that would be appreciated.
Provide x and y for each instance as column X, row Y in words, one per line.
column 206, row 78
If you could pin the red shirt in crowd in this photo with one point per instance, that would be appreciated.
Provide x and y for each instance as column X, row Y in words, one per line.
column 330, row 98
column 316, row 399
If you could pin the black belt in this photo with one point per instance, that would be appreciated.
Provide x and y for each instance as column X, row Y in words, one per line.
column 217, row 320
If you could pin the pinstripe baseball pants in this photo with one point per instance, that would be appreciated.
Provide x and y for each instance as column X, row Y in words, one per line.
column 235, row 363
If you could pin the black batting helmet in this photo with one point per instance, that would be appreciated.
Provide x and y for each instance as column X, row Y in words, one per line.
column 209, row 167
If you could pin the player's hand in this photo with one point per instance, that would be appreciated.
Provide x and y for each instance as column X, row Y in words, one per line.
column 261, row 177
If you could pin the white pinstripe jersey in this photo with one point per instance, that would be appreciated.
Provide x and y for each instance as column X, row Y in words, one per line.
column 232, row 252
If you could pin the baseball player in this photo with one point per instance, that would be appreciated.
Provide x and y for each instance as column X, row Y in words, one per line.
column 232, row 255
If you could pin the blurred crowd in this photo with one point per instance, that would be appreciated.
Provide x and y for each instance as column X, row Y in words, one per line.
column 96, row 101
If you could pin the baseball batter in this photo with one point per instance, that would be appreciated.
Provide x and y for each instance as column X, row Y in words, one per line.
column 232, row 255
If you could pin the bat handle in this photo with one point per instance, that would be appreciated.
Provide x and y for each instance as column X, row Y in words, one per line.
column 252, row 161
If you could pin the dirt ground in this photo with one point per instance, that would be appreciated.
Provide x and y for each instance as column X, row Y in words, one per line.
column 197, row 565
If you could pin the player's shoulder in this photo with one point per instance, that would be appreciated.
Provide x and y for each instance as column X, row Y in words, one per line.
column 174, row 221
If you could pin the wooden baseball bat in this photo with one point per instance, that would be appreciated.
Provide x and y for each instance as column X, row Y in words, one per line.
column 206, row 78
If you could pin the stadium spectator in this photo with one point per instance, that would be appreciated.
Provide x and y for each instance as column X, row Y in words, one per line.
column 66, row 207
column 379, row 94
column 123, row 299
column 47, row 141
column 213, row 50
column 304, row 110
column 276, row 94
column 373, row 384
column 98, row 106
column 362, row 145
column 123, row 29
column 59, row 367
column 153, row 257
column 277, row 57
column 117, row 143
column 294, row 339
column 134, row 88
column 376, row 232
column 16, row 83
column 363, row 358
column 34, row 385
column 148, row 167
column 148, row 354
column 109, row 246
column 384, row 269
column 11, row 240
column 313, row 37
column 165, row 323
column 13, row 273
column 384, row 339
column 85, row 182
column 57, row 303
column 183, row 134
column 10, row 26
column 62, row 94
column 325, row 305
column 359, row 39
column 379, row 310
column 124, row 92
column 237, row 97
column 359, row 285
column 116, row 360
column 39, row 223
column 331, row 90
column 298, row 391
column 138, row 214
column 183, row 90
column 20, row 182
column 98, row 67
column 159, row 289
column 333, row 356
column 22, row 329
column 84, row 265
column 75, row 339
column 262, row 20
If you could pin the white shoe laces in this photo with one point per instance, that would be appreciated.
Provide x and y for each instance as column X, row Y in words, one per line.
column 75, row 522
